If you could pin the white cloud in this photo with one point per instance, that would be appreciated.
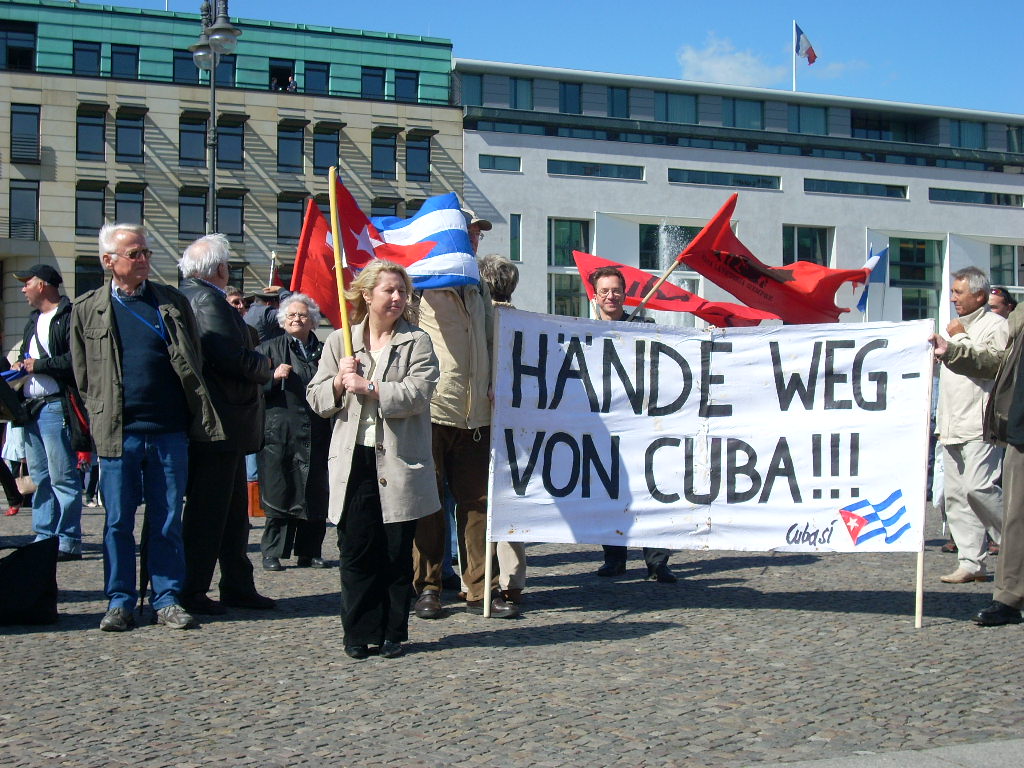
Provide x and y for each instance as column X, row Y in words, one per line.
column 719, row 62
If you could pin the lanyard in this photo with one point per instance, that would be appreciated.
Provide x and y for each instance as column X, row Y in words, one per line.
column 158, row 328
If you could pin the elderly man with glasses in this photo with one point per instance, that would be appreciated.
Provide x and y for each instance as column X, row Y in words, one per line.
column 136, row 356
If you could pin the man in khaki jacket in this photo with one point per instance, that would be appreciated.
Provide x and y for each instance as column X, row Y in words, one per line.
column 971, row 465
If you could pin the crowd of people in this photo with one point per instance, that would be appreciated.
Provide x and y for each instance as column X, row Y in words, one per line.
column 185, row 394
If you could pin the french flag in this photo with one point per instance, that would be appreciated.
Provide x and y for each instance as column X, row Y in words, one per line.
column 804, row 49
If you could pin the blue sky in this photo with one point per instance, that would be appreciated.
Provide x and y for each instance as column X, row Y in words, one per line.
column 940, row 52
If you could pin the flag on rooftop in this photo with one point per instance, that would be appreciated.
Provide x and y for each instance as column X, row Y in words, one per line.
column 804, row 49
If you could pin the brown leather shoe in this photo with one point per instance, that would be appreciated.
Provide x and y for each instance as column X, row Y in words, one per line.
column 428, row 605
column 512, row 596
column 499, row 608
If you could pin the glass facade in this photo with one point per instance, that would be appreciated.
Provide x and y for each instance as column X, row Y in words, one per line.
column 25, row 133
column 407, row 85
column 192, row 143
column 808, row 119
column 23, row 207
column 191, row 214
column 129, row 141
column 372, row 83
column 289, row 149
column 520, row 94
column 129, row 205
column 805, row 244
column 743, row 113
column 867, row 189
column 317, row 78
column 417, row 159
column 569, row 102
column 89, row 205
column 566, row 296
column 231, row 146
column 975, row 197
column 723, row 179
column 85, row 59
column 564, row 237
column 383, row 157
column 90, row 139
column 325, row 151
column 500, row 163
column 661, row 243
column 618, row 102
column 675, row 107
column 515, row 237
column 124, row 62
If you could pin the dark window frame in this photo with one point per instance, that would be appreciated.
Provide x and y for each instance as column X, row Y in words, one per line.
column 196, row 138
column 372, row 82
column 417, row 159
column 407, row 86
column 129, row 129
column 86, row 58
column 90, row 126
column 311, row 77
column 90, row 209
column 384, row 157
column 121, row 56
column 291, row 144
column 25, row 133
column 22, row 227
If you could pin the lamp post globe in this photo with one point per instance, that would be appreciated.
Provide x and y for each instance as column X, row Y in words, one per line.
column 223, row 35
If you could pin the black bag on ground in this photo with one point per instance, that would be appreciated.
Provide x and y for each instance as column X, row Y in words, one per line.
column 28, row 584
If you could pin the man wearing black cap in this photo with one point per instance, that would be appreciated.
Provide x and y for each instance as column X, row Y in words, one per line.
column 52, row 434
column 262, row 315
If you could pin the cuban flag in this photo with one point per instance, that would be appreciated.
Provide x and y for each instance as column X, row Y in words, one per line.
column 804, row 49
column 450, row 262
column 882, row 519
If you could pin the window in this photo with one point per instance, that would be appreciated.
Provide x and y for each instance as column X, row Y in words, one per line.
column 854, row 188
column 124, row 62
column 24, row 210
column 17, row 46
column 601, row 170
column 520, row 93
column 472, row 90
column 231, row 215
column 564, row 237
column 566, row 296
column 191, row 214
column 289, row 218
column 325, row 150
column 805, row 119
column 192, row 142
column 129, row 138
column 382, row 157
column 515, row 237
column 85, row 59
column 184, row 70
column 500, row 163
column 90, row 136
column 805, row 244
column 25, row 133
column 569, row 101
column 225, row 71
column 661, row 243
column 975, row 197
column 1015, row 138
column 88, row 274
column 1007, row 264
column 384, row 206
column 89, row 204
column 966, row 134
column 231, row 145
column 407, row 85
column 279, row 71
column 289, row 149
column 675, row 108
column 916, row 267
column 128, row 204
column 723, row 179
column 618, row 102
column 317, row 79
column 743, row 113
column 865, row 125
column 372, row 83
column 417, row 159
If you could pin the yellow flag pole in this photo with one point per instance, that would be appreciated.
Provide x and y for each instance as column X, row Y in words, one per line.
column 339, row 260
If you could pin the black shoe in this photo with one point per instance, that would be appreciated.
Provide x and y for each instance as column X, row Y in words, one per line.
column 308, row 562
column 428, row 605
column 452, row 583
column 203, row 606
column 357, row 652
column 615, row 568
column 255, row 601
column 272, row 564
column 661, row 574
column 63, row 557
column 996, row 615
column 391, row 649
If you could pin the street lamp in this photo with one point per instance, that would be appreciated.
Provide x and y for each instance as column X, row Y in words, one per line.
column 218, row 38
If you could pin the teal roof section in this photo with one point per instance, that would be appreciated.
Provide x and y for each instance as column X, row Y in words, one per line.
column 159, row 34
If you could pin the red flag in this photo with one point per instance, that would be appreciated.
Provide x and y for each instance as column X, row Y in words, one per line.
column 802, row 292
column 313, row 273
column 362, row 241
column 670, row 297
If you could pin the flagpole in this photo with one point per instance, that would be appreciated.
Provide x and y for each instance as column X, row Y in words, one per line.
column 339, row 260
column 654, row 288
column 273, row 264
column 794, row 55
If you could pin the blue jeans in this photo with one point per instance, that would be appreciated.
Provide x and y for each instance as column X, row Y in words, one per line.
column 57, row 501
column 152, row 469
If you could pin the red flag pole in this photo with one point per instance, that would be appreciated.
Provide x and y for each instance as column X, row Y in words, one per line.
column 339, row 260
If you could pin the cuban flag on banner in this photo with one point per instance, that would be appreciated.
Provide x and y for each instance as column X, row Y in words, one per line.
column 804, row 49
column 882, row 519
column 450, row 263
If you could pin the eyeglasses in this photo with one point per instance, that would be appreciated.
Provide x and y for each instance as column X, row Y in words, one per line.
column 139, row 255
column 606, row 292
column 296, row 316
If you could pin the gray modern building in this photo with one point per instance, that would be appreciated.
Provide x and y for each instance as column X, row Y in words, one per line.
column 629, row 168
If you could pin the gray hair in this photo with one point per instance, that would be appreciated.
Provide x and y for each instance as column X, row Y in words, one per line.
column 977, row 281
column 501, row 276
column 202, row 258
column 108, row 238
column 311, row 306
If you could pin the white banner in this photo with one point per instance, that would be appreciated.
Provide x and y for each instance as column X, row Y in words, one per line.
column 799, row 438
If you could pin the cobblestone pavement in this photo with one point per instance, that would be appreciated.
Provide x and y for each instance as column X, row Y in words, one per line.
column 752, row 659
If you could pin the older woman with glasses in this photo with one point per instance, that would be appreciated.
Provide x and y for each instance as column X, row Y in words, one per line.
column 293, row 462
column 381, row 465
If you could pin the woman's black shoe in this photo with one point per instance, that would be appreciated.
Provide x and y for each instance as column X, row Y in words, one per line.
column 391, row 649
column 357, row 651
